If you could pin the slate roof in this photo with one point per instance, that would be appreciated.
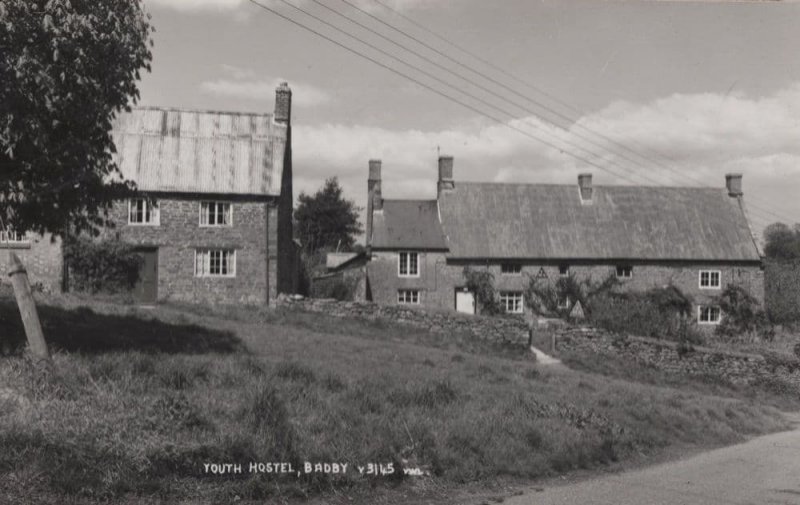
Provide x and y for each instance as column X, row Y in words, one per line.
column 174, row 150
column 408, row 224
column 488, row 220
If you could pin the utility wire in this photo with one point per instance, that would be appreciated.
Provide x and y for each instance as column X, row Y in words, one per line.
column 441, row 93
column 574, row 121
column 445, row 95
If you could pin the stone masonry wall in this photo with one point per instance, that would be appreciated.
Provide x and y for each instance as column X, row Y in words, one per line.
column 42, row 258
column 734, row 367
column 439, row 278
column 507, row 330
column 178, row 235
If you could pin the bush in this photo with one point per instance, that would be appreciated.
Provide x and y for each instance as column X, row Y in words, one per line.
column 108, row 266
column 742, row 316
column 658, row 313
column 481, row 282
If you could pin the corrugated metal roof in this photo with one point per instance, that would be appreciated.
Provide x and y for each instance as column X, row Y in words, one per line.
column 407, row 223
column 487, row 220
column 200, row 151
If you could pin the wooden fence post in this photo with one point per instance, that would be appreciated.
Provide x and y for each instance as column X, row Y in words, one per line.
column 27, row 308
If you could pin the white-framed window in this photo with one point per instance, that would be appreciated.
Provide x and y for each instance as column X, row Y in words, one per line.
column 710, row 279
column 563, row 302
column 216, row 214
column 511, row 268
column 563, row 270
column 708, row 314
column 624, row 271
column 12, row 237
column 408, row 296
column 143, row 212
column 511, row 302
column 408, row 264
column 215, row 263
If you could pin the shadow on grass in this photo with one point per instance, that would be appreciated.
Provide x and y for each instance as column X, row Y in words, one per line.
column 83, row 330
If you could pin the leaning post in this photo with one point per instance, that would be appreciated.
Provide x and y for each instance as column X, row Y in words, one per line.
column 27, row 308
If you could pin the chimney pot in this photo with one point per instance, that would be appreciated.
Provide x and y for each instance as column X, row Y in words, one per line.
column 283, row 103
column 446, row 181
column 585, row 185
column 733, row 182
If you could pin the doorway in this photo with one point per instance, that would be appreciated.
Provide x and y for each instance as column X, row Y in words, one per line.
column 465, row 301
column 146, row 289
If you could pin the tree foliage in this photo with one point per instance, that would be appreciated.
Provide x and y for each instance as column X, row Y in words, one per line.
column 326, row 219
column 481, row 282
column 66, row 68
column 782, row 242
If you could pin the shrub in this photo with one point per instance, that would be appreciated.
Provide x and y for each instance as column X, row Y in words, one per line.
column 109, row 266
column 543, row 296
column 481, row 282
column 658, row 313
column 742, row 316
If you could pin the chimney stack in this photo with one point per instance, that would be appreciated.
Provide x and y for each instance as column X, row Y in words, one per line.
column 733, row 182
column 585, row 185
column 374, row 197
column 283, row 104
column 446, row 182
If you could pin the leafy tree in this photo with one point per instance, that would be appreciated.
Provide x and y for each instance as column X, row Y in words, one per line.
column 326, row 220
column 66, row 68
column 782, row 242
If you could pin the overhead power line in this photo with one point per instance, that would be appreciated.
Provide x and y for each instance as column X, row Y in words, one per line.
column 431, row 88
column 542, row 92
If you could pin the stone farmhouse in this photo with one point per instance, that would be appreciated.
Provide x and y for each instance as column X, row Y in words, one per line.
column 697, row 239
column 213, row 218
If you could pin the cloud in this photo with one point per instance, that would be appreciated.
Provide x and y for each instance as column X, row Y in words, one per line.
column 244, row 84
column 700, row 137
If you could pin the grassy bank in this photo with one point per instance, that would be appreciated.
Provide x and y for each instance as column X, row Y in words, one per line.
column 136, row 406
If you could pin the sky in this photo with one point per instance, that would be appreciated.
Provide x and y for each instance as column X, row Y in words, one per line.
column 675, row 93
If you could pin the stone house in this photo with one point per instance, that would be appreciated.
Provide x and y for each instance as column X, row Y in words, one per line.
column 41, row 255
column 697, row 239
column 213, row 217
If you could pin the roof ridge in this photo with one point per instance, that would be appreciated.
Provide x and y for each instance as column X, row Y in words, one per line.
column 566, row 185
column 201, row 111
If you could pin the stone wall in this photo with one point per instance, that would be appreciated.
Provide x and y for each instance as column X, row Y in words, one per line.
column 439, row 277
column 253, row 235
column 734, row 367
column 505, row 330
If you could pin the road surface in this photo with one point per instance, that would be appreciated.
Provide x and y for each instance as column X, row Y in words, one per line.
column 763, row 471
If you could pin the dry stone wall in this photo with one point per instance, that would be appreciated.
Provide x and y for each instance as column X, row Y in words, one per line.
column 734, row 367
column 506, row 330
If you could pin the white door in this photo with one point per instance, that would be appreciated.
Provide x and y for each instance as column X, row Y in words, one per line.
column 465, row 302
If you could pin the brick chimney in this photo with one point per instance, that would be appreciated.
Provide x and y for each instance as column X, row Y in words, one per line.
column 733, row 182
column 283, row 103
column 585, row 186
column 446, row 182
column 374, row 196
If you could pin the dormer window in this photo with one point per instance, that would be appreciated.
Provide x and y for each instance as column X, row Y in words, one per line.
column 511, row 269
column 624, row 271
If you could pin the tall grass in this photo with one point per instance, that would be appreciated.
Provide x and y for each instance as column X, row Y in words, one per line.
column 131, row 425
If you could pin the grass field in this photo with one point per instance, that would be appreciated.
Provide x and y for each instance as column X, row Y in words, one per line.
column 139, row 401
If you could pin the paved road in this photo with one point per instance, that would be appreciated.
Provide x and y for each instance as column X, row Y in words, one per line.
column 763, row 471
